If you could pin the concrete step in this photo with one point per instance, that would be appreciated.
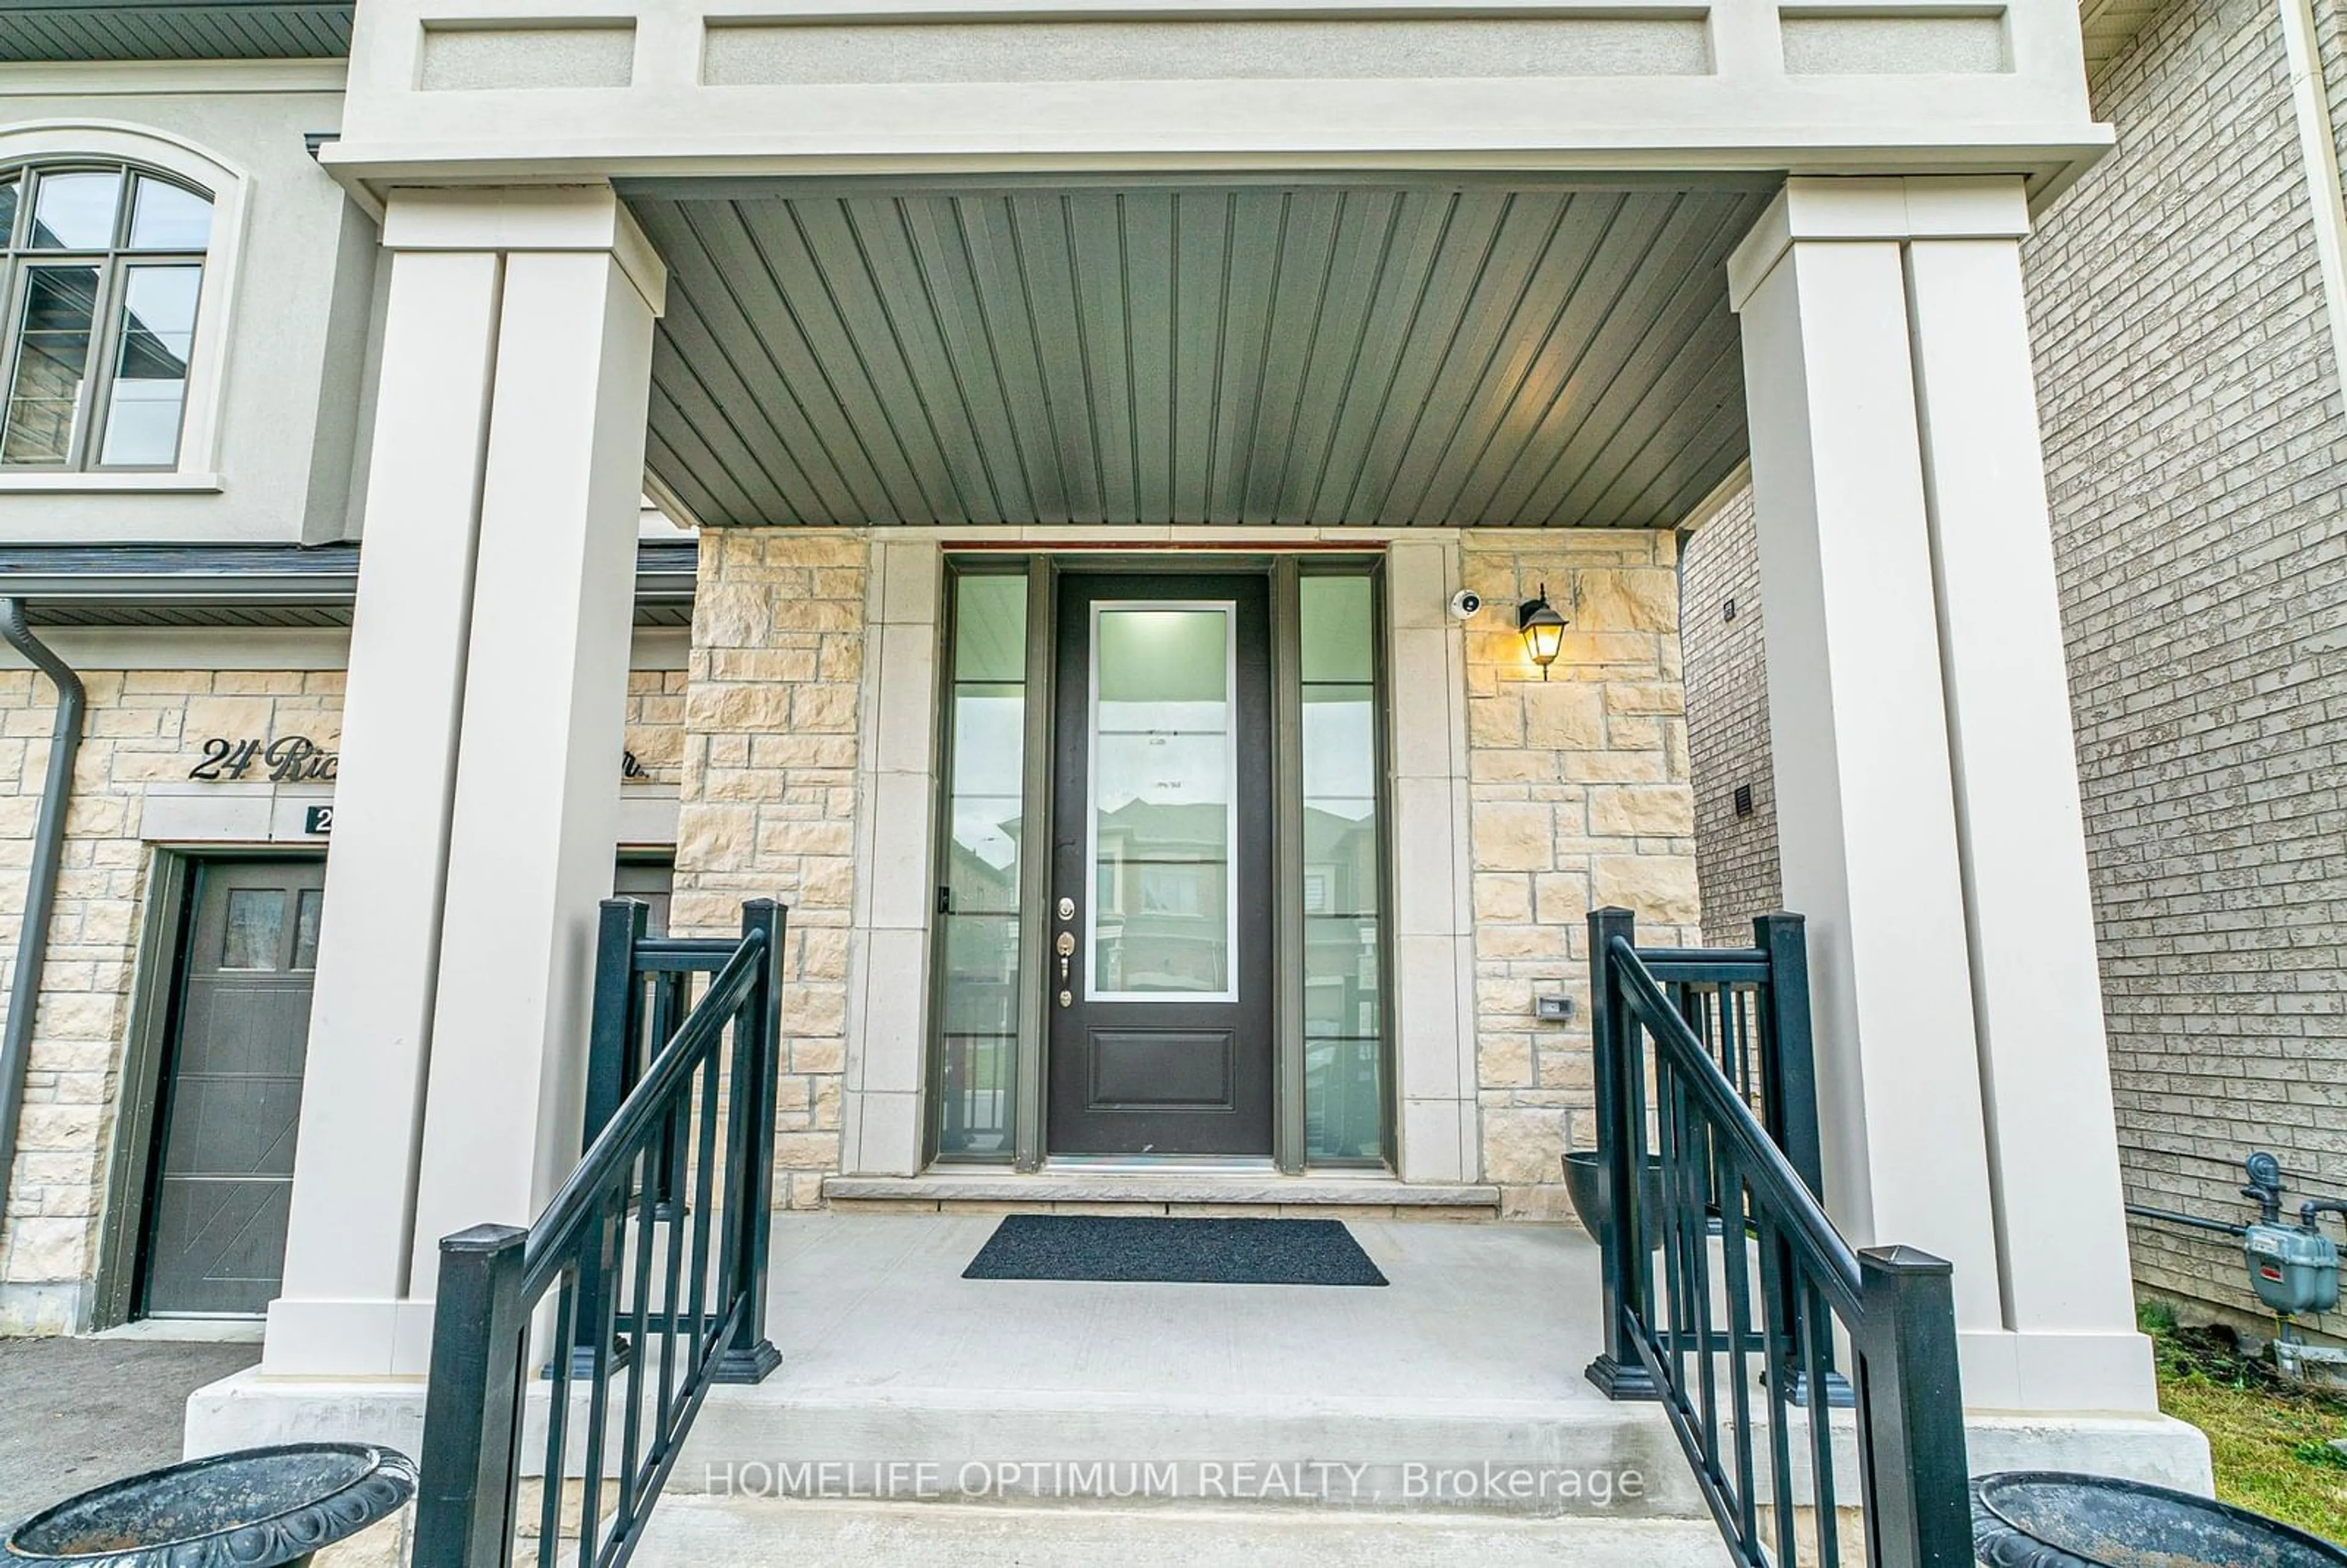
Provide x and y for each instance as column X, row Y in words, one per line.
column 689, row 1531
column 1532, row 1457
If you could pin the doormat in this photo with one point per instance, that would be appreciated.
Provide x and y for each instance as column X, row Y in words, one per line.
column 1165, row 1251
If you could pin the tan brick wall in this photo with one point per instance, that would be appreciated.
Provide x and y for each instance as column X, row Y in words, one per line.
column 2191, row 402
column 769, row 796
column 1728, row 722
column 2192, row 418
column 143, row 726
column 1579, row 797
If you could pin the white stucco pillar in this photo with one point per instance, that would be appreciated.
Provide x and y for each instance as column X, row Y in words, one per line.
column 537, row 780
column 479, row 797
column 379, row 938
column 1927, row 792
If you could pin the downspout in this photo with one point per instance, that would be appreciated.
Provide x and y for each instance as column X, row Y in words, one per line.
column 41, row 886
column 2318, row 163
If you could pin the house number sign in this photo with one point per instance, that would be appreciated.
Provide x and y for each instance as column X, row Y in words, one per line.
column 297, row 759
column 289, row 759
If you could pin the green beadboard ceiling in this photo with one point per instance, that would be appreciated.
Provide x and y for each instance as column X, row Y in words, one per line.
column 1406, row 353
column 172, row 30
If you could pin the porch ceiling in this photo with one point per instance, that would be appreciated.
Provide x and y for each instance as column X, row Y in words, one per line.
column 1382, row 355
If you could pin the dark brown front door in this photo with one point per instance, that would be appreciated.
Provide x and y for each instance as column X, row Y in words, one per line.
column 1159, row 959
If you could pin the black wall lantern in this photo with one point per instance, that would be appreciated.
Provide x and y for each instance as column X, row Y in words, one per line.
column 1542, row 629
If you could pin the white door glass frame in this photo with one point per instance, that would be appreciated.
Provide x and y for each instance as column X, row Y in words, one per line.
column 1228, row 610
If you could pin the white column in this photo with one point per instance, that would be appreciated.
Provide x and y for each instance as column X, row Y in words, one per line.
column 538, row 781
column 379, row 940
column 477, row 801
column 2053, row 1132
column 1927, row 796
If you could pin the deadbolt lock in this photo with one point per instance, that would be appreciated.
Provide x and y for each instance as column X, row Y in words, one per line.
column 1067, row 908
column 1066, row 944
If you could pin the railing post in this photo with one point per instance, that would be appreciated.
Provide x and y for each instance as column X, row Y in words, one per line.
column 614, row 1026
column 471, row 1406
column 1911, row 1412
column 1789, row 1090
column 1788, row 1069
column 757, row 1038
column 1622, row 1140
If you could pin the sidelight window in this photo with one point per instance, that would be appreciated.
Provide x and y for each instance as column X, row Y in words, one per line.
column 979, row 902
column 1344, row 1014
column 100, row 271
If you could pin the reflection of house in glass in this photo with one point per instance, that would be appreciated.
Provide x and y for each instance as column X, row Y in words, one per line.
column 979, row 1030
column 1342, row 1107
column 1160, row 909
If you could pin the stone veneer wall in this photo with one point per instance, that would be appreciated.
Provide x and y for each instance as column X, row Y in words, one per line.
column 1578, row 798
column 144, row 726
column 768, row 794
column 1579, row 792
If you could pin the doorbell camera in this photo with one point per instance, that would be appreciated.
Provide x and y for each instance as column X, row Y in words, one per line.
column 1465, row 603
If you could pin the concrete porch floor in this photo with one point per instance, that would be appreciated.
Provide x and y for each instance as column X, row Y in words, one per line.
column 1477, row 1317
column 1471, row 1355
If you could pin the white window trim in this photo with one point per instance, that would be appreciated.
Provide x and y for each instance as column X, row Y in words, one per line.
column 230, row 189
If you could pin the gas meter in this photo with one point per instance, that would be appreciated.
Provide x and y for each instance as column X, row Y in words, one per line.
column 2294, row 1268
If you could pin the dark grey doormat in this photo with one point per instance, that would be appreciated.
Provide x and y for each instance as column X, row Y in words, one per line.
column 1174, row 1251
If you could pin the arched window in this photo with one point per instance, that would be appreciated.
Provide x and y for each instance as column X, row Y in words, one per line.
column 102, row 265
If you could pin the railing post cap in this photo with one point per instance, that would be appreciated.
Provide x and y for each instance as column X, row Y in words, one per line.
column 1902, row 1259
column 484, row 1238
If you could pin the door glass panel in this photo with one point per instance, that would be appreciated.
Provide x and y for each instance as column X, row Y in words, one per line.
column 1344, row 1024
column 255, row 926
column 45, row 396
column 1164, row 801
column 979, row 935
column 8, row 188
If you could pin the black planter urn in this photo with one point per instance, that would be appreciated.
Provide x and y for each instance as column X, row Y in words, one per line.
column 2047, row 1518
column 257, row 1508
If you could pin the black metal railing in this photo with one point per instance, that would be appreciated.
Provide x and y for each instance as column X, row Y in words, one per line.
column 1756, row 1285
column 1749, row 1009
column 642, row 1286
